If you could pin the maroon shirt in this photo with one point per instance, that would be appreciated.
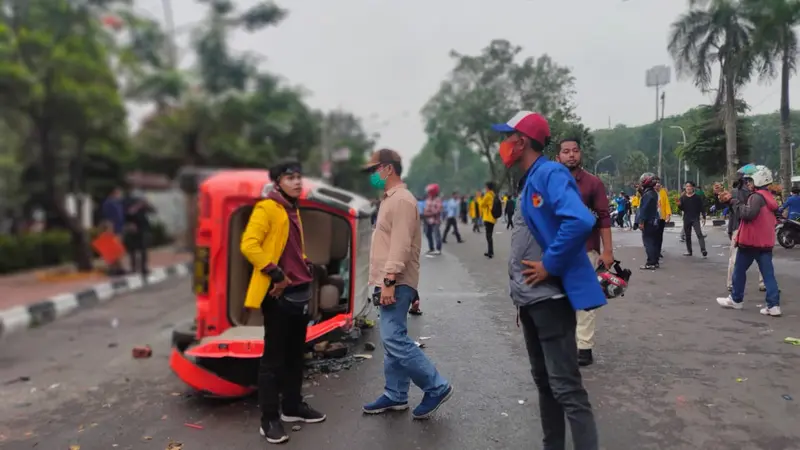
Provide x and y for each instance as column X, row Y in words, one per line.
column 593, row 193
column 292, row 262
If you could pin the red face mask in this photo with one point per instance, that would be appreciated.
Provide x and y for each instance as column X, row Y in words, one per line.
column 509, row 154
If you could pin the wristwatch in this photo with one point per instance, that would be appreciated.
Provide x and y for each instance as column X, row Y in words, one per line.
column 389, row 282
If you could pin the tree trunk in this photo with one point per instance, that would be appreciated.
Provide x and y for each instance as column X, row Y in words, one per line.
column 82, row 253
column 731, row 151
column 786, row 128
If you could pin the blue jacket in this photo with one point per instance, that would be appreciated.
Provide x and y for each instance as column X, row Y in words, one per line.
column 560, row 222
column 793, row 204
column 648, row 208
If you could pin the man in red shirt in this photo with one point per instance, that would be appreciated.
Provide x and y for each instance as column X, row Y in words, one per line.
column 593, row 193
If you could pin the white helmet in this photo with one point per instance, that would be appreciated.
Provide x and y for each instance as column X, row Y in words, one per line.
column 761, row 176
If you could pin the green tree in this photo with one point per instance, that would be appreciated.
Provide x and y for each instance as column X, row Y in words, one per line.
column 633, row 166
column 56, row 75
column 777, row 42
column 489, row 88
column 708, row 140
column 716, row 32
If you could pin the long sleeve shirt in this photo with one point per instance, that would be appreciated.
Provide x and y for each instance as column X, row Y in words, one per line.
column 693, row 207
column 397, row 239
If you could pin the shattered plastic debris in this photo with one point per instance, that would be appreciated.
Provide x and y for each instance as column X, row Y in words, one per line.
column 142, row 352
column 504, row 414
column 424, row 338
column 174, row 446
column 297, row 428
column 193, row 425
column 521, row 402
column 740, row 380
column 362, row 356
column 787, row 397
column 792, row 340
column 54, row 385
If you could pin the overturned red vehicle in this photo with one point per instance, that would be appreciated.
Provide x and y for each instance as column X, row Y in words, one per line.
column 218, row 352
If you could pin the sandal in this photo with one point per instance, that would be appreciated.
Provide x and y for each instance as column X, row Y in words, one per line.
column 415, row 311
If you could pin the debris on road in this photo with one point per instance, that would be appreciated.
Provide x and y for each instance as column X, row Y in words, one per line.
column 336, row 350
column 193, row 425
column 418, row 344
column 297, row 428
column 504, row 414
column 521, row 402
column 112, row 345
column 369, row 346
column 424, row 338
column 740, row 380
column 174, row 446
column 74, row 447
column 792, row 340
column 362, row 356
column 142, row 352
column 787, row 397
column 23, row 379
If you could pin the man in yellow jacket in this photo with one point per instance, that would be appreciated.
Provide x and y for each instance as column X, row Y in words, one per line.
column 475, row 212
column 281, row 286
column 487, row 202
column 665, row 211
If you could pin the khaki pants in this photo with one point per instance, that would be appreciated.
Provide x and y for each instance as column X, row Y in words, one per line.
column 732, row 261
column 584, row 331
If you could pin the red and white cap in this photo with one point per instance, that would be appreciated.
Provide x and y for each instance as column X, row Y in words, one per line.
column 529, row 123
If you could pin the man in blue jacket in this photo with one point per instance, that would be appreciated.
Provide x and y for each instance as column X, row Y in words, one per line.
column 548, row 291
column 648, row 220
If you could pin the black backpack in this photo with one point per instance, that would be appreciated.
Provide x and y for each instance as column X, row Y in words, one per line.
column 497, row 208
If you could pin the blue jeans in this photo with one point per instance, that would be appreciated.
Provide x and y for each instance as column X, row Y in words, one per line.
column 744, row 259
column 434, row 234
column 650, row 241
column 403, row 361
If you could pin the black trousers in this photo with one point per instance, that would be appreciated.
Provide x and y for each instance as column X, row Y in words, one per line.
column 280, row 373
column 651, row 238
column 662, row 225
column 489, row 237
column 451, row 223
column 137, row 244
column 509, row 221
column 688, row 226
column 549, row 329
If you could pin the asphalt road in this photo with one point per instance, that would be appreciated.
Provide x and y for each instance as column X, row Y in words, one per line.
column 673, row 370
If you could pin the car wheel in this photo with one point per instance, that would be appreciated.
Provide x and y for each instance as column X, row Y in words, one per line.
column 183, row 335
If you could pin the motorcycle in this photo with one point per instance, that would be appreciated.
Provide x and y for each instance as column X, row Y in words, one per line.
column 787, row 232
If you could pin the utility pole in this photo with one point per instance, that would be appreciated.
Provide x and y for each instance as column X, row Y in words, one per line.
column 170, row 24
column 660, row 133
column 657, row 77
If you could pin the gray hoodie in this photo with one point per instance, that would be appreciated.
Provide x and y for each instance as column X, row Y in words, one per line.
column 524, row 246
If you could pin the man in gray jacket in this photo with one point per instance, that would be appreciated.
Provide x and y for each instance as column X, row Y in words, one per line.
column 554, row 360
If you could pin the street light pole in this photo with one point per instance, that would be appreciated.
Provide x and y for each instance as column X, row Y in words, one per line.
column 791, row 162
column 683, row 143
column 599, row 161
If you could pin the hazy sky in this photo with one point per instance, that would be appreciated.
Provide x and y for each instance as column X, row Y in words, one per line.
column 383, row 59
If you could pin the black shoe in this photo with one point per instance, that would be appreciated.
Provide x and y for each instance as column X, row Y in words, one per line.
column 488, row 255
column 585, row 358
column 705, row 254
column 274, row 432
column 649, row 267
column 444, row 242
column 303, row 413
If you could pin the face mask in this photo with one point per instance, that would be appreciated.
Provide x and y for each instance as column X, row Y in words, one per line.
column 508, row 153
column 376, row 181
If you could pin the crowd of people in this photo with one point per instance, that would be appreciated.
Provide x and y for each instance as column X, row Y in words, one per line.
column 560, row 238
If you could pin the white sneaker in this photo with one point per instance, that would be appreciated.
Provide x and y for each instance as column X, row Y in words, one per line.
column 762, row 288
column 727, row 302
column 437, row 252
column 775, row 311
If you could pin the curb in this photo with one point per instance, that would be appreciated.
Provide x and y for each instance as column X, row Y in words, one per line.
column 20, row 318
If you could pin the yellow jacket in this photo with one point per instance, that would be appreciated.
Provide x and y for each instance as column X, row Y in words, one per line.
column 263, row 243
column 486, row 207
column 635, row 201
column 663, row 204
column 473, row 212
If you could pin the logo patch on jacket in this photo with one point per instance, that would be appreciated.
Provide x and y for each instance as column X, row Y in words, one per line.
column 537, row 200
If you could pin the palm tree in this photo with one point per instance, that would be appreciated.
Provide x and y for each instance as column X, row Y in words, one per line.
column 716, row 32
column 777, row 44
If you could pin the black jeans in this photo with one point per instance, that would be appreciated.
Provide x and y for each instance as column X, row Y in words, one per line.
column 662, row 225
column 549, row 329
column 451, row 222
column 281, row 370
column 509, row 221
column 137, row 244
column 688, row 226
column 651, row 238
column 489, row 237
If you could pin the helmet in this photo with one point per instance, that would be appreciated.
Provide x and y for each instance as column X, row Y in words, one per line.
column 647, row 180
column 432, row 189
column 761, row 175
column 613, row 283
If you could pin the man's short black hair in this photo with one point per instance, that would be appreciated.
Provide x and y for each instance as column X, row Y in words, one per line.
column 491, row 185
column 691, row 183
column 570, row 139
column 283, row 166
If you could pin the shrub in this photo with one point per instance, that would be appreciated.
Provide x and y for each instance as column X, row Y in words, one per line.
column 51, row 248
